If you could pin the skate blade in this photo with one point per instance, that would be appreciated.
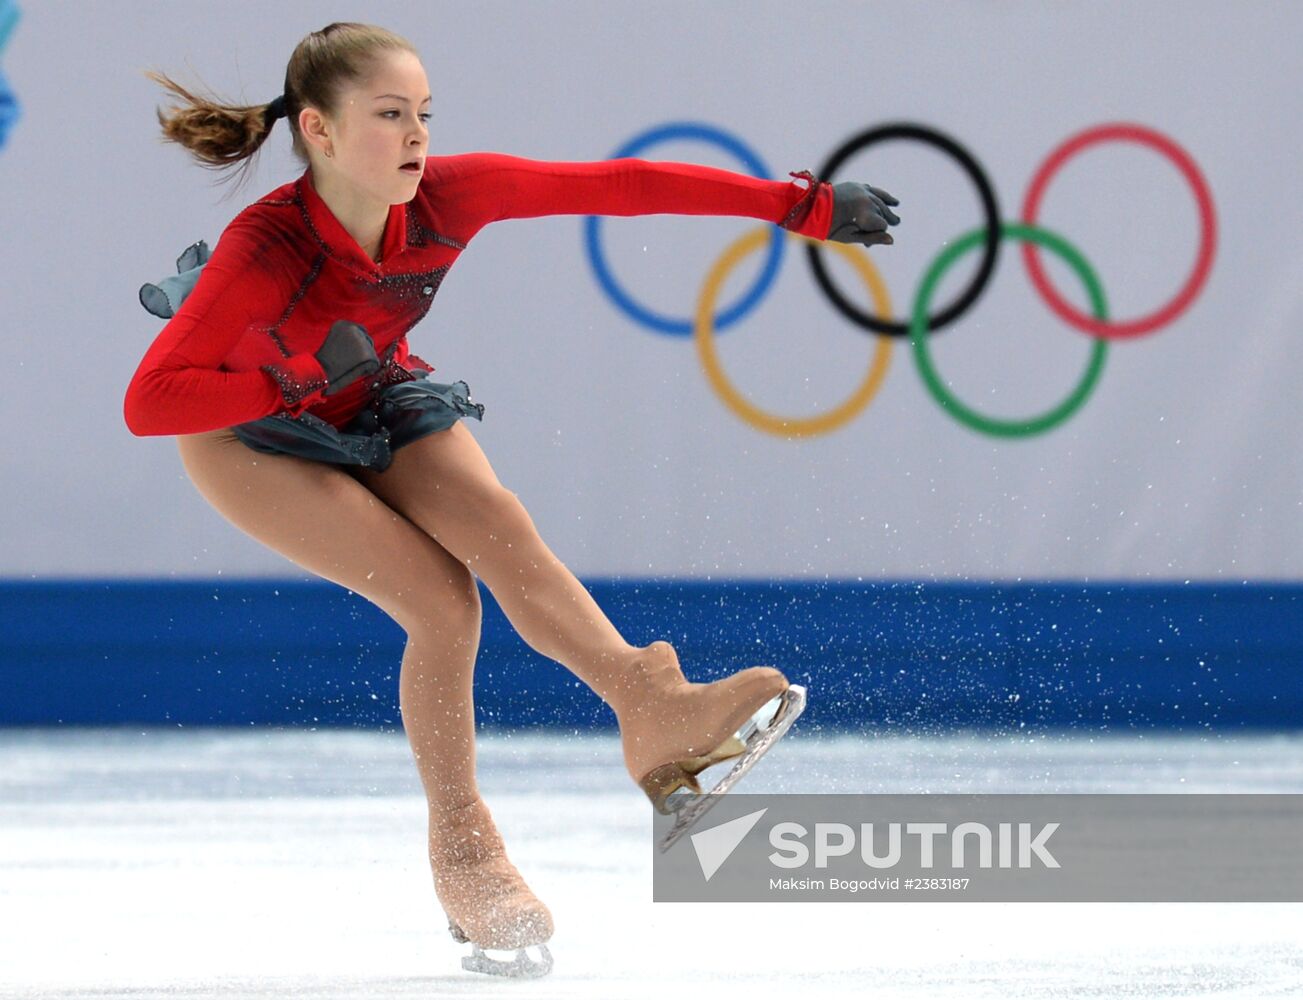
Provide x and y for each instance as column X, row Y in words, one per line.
column 522, row 966
column 758, row 736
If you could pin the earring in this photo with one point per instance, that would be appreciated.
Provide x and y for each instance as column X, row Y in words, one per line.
column 328, row 154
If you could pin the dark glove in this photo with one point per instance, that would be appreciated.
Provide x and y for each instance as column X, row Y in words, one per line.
column 860, row 214
column 347, row 355
column 165, row 298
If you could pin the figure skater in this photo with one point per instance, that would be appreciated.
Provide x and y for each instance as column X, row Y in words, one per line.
column 302, row 417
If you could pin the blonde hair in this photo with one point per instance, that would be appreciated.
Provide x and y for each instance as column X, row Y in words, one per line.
column 322, row 65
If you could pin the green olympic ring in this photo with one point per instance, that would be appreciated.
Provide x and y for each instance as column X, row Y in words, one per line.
column 919, row 324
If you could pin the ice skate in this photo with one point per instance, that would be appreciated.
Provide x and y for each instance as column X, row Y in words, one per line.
column 673, row 729
column 757, row 735
column 488, row 904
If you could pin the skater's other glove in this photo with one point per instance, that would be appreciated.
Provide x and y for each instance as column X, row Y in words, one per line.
column 165, row 298
column 860, row 214
column 346, row 355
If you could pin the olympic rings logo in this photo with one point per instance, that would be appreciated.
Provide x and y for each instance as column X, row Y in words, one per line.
column 923, row 320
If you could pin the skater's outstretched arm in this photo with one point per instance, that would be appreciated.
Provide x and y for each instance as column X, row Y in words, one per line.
column 489, row 187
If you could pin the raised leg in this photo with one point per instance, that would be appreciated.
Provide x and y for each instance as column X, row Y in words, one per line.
column 444, row 483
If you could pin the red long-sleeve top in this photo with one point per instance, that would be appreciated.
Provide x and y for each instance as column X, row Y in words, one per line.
column 242, row 345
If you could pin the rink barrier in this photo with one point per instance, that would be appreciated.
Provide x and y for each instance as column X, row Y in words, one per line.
column 907, row 656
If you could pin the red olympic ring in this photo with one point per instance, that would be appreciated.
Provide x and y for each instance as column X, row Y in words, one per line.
column 1207, row 235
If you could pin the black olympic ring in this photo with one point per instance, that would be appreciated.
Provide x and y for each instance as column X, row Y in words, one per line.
column 990, row 249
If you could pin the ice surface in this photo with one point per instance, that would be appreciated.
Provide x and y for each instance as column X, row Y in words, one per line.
column 281, row 863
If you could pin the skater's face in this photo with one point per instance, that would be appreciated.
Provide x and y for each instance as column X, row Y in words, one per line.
column 381, row 125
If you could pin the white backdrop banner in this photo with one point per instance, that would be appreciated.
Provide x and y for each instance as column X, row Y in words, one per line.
column 1054, row 163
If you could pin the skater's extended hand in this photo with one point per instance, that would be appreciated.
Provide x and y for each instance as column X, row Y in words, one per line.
column 860, row 214
column 347, row 355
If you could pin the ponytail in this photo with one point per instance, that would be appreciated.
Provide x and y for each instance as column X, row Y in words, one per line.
column 220, row 135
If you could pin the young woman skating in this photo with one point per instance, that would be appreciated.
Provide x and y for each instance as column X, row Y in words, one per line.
column 302, row 417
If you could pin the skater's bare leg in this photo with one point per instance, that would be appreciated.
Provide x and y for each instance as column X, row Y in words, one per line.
column 444, row 483
column 329, row 524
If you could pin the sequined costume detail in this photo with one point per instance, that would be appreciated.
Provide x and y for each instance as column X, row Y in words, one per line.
column 419, row 236
column 308, row 279
column 797, row 216
column 407, row 295
column 292, row 389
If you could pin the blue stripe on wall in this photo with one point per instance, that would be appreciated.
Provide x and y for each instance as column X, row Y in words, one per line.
column 899, row 655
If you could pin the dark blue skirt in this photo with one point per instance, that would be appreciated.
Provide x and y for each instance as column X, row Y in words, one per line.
column 397, row 415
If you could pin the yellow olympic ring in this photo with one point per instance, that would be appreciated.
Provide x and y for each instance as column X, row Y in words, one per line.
column 704, row 337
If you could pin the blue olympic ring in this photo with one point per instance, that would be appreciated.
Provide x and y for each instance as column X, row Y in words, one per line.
column 593, row 233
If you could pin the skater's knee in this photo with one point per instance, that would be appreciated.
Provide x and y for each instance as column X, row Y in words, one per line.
column 448, row 602
column 502, row 510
